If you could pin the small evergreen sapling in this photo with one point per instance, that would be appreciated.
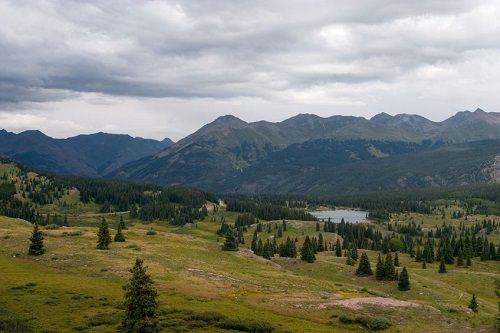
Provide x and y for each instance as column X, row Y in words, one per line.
column 473, row 305
column 119, row 237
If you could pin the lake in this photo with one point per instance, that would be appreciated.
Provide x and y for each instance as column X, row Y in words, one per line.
column 352, row 216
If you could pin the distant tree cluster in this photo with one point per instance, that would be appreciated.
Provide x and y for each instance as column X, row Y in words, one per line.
column 268, row 211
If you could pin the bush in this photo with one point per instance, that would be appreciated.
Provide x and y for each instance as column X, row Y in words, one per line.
column 103, row 319
column 244, row 325
column 73, row 233
column 373, row 324
column 208, row 317
column 51, row 227
column 11, row 324
column 346, row 319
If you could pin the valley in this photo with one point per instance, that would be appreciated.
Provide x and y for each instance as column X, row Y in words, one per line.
column 75, row 287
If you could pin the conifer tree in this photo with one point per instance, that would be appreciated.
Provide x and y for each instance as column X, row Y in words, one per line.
column 260, row 248
column 36, row 247
column 380, row 270
column 140, row 302
column 389, row 270
column 404, row 280
column 338, row 248
column 320, row 243
column 122, row 223
column 307, row 251
column 348, row 260
column 364, row 267
column 119, row 237
column 230, row 243
column 442, row 266
column 268, row 250
column 103, row 236
column 253, row 246
column 396, row 260
column 473, row 305
column 468, row 261
column 460, row 257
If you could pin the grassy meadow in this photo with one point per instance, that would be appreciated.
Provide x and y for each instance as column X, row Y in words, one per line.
column 75, row 287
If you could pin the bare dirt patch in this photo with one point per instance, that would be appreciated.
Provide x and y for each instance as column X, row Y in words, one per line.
column 359, row 302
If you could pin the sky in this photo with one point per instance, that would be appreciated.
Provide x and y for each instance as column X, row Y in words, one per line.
column 159, row 69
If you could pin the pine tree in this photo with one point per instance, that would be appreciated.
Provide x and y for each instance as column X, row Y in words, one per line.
column 122, row 223
column 348, row 260
column 389, row 270
column 364, row 268
column 442, row 266
column 119, row 237
column 268, row 250
column 230, row 243
column 473, row 303
column 253, row 246
column 380, row 270
column 396, row 260
column 404, row 280
column 140, row 302
column 468, row 261
column 321, row 247
column 103, row 236
column 460, row 257
column 36, row 247
column 338, row 248
column 307, row 251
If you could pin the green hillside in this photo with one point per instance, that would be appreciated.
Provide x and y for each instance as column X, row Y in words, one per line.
column 75, row 287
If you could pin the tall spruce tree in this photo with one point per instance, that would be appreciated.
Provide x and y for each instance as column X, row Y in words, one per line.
column 103, row 236
column 140, row 302
column 36, row 247
column 404, row 280
column 364, row 267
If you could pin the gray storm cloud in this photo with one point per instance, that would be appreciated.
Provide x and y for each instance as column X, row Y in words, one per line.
column 185, row 62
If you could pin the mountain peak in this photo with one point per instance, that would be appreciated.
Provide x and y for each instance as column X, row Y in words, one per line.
column 381, row 118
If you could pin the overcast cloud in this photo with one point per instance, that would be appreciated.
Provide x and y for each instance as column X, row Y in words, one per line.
column 165, row 68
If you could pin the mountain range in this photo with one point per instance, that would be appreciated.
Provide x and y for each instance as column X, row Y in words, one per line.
column 85, row 155
column 304, row 154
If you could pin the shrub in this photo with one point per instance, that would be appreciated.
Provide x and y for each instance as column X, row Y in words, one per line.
column 244, row 325
column 371, row 323
column 51, row 227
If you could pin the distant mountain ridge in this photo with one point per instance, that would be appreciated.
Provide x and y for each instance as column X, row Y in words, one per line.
column 229, row 150
column 303, row 154
column 87, row 155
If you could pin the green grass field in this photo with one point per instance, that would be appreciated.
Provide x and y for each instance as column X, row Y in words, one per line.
column 74, row 287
